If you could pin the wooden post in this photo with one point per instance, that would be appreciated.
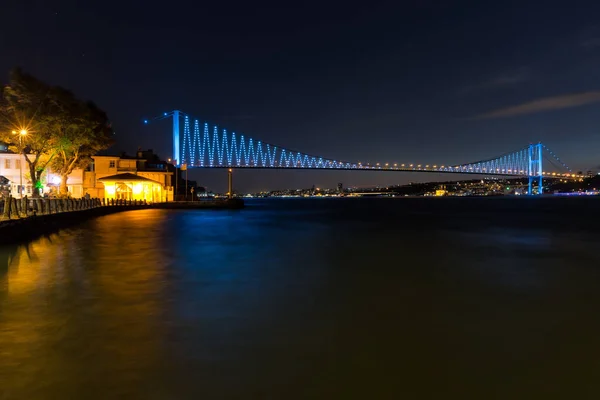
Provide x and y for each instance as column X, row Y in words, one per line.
column 17, row 207
column 7, row 204
column 23, row 210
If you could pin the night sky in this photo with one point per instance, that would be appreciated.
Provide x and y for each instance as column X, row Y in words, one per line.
column 427, row 81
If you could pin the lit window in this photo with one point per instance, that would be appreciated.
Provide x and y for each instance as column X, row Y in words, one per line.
column 7, row 163
column 17, row 164
column 111, row 164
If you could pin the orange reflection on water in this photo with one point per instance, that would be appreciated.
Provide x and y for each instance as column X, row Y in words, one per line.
column 65, row 296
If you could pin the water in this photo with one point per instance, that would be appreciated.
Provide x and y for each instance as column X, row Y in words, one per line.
column 489, row 298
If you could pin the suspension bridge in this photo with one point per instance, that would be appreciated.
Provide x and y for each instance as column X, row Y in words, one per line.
column 197, row 145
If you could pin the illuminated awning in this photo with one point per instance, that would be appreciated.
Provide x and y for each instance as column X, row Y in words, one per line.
column 127, row 177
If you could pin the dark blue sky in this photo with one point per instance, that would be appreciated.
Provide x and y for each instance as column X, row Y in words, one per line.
column 404, row 81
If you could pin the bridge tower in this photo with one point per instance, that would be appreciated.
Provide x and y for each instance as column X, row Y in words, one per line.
column 176, row 153
column 535, row 167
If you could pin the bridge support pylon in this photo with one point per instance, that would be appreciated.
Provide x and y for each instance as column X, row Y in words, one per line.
column 535, row 171
column 176, row 153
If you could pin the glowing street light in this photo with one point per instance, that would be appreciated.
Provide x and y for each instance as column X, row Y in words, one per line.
column 22, row 133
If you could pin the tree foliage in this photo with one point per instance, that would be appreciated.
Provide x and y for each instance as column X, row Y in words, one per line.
column 62, row 131
column 25, row 105
column 80, row 130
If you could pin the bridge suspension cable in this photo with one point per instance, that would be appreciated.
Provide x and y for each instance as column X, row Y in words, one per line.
column 199, row 145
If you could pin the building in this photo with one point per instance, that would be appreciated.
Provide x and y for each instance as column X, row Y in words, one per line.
column 109, row 169
column 105, row 177
column 14, row 170
column 128, row 186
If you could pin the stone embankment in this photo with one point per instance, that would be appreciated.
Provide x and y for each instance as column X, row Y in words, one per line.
column 28, row 218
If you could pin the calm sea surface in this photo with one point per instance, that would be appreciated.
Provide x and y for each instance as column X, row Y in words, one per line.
column 486, row 298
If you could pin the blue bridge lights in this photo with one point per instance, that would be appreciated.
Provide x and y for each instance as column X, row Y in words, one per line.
column 199, row 146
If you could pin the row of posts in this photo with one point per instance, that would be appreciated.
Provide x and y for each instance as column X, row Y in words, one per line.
column 21, row 208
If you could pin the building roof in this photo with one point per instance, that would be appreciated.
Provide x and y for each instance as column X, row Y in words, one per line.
column 119, row 156
column 127, row 177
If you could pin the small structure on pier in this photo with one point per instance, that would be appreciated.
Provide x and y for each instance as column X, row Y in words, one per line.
column 128, row 186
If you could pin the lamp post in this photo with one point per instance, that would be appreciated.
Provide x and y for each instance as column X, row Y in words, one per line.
column 21, row 134
column 230, row 182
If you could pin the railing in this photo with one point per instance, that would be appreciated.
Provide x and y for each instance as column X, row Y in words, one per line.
column 13, row 208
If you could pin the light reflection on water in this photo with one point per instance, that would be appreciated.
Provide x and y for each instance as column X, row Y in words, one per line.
column 368, row 298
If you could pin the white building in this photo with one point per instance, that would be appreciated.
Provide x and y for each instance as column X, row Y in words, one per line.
column 15, row 169
column 156, row 174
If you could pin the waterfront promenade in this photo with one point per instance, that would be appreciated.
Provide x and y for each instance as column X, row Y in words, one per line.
column 14, row 208
column 29, row 218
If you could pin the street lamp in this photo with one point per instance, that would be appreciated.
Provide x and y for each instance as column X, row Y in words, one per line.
column 21, row 134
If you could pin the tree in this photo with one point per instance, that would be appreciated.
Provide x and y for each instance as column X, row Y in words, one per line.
column 80, row 129
column 62, row 131
column 25, row 106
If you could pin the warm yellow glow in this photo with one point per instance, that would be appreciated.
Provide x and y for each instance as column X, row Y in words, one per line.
column 109, row 190
column 23, row 132
column 128, row 190
column 138, row 188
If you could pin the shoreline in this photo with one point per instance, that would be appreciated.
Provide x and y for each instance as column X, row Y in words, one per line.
column 21, row 230
column 26, row 229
